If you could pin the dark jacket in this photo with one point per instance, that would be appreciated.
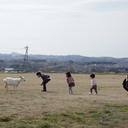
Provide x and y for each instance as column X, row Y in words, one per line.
column 45, row 77
column 125, row 84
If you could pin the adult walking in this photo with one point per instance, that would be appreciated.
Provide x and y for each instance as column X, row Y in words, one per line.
column 125, row 83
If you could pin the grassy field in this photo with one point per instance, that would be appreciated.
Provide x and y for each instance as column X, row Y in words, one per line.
column 30, row 108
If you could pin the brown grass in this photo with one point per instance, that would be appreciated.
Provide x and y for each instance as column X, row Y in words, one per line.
column 60, row 110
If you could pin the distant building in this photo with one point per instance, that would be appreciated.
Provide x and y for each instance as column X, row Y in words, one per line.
column 6, row 70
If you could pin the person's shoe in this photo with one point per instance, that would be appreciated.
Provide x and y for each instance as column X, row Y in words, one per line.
column 90, row 93
column 96, row 93
column 43, row 91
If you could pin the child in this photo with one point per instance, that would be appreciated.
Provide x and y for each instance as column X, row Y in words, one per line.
column 93, row 84
column 46, row 78
column 70, row 82
column 125, row 83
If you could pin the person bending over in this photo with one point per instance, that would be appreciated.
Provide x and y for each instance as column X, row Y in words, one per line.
column 46, row 78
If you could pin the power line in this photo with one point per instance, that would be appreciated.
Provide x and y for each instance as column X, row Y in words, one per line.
column 10, row 50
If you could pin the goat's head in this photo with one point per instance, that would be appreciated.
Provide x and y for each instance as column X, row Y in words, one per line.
column 22, row 79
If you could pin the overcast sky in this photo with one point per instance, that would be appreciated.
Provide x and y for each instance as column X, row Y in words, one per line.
column 94, row 28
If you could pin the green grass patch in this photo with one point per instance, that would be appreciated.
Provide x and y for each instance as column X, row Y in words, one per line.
column 93, row 111
column 117, row 106
column 51, row 119
column 5, row 119
column 45, row 125
column 106, row 111
column 80, row 113
column 108, row 115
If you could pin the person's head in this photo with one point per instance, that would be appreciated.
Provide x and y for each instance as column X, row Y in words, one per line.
column 92, row 76
column 126, row 76
column 38, row 74
column 68, row 74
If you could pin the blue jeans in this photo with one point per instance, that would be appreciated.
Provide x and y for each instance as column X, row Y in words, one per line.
column 70, row 90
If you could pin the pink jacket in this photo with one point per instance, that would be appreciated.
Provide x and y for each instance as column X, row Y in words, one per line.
column 70, row 80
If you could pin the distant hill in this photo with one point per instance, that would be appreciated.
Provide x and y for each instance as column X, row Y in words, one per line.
column 76, row 58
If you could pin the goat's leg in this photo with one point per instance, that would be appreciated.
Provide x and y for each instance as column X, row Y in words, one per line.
column 17, row 87
column 6, row 86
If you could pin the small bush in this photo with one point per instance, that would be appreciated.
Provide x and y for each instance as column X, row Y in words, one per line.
column 21, row 126
column 45, row 125
column 5, row 119
column 106, row 111
column 80, row 113
column 93, row 111
column 65, row 115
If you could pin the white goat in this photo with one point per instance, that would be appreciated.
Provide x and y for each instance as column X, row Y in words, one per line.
column 13, row 81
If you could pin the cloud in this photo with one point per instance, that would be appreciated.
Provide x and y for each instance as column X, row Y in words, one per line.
column 69, row 7
column 43, row 10
column 110, row 6
column 78, row 8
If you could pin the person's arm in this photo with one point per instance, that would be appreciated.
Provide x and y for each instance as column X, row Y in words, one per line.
column 91, row 82
column 73, row 79
column 67, row 80
column 124, row 82
column 42, row 76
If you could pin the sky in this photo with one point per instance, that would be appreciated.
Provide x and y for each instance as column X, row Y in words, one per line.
column 93, row 28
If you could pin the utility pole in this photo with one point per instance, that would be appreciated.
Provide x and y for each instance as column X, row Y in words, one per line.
column 25, row 59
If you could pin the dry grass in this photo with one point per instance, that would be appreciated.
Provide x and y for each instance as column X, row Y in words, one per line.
column 30, row 108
